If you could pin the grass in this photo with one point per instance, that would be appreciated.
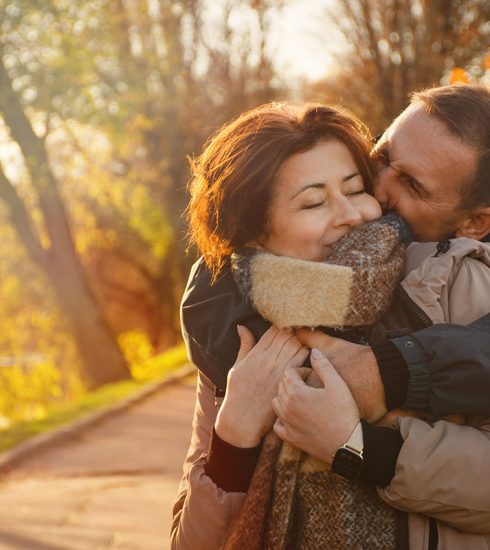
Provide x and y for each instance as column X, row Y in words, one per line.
column 152, row 371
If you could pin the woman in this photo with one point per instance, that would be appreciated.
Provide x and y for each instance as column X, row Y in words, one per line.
column 292, row 181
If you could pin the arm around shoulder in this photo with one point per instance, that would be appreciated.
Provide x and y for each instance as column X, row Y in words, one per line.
column 448, row 368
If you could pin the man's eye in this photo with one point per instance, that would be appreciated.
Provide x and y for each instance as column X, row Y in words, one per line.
column 382, row 157
column 413, row 185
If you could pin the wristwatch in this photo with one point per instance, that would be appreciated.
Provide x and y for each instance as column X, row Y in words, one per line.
column 347, row 462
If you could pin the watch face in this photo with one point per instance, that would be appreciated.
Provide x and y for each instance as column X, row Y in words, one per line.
column 347, row 464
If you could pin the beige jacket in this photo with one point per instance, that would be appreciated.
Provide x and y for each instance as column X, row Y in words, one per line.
column 451, row 288
column 435, row 473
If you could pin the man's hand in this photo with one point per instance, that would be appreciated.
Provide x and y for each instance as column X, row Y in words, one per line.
column 246, row 412
column 316, row 420
column 357, row 366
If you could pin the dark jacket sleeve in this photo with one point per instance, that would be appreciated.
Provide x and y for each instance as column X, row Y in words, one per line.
column 210, row 312
column 448, row 368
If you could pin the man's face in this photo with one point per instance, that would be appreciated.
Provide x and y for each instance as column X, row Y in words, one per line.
column 423, row 169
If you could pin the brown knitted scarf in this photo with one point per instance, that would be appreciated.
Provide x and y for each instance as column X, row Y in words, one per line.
column 353, row 287
column 294, row 501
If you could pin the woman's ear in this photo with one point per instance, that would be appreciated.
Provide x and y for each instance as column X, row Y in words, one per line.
column 476, row 225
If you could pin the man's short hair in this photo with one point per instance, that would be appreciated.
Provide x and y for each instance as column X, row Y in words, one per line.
column 465, row 110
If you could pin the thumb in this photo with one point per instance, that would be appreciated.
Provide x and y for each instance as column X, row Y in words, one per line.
column 247, row 341
column 322, row 367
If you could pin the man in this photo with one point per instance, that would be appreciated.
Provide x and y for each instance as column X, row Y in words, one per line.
column 434, row 171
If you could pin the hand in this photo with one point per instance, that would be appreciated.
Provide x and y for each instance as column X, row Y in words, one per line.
column 358, row 368
column 316, row 420
column 246, row 413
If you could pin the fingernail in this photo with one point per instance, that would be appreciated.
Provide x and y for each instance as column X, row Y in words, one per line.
column 239, row 330
column 316, row 354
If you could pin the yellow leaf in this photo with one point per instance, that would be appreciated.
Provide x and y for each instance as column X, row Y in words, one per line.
column 459, row 76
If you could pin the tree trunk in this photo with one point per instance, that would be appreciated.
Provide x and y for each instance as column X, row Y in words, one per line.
column 101, row 358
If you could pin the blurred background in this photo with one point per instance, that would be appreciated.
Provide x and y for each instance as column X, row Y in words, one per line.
column 101, row 104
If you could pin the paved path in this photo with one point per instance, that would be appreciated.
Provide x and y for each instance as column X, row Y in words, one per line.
column 111, row 486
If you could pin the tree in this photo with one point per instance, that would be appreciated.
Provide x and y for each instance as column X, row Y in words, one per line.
column 151, row 79
column 397, row 46
column 101, row 357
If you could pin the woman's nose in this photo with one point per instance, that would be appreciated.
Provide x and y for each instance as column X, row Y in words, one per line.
column 347, row 214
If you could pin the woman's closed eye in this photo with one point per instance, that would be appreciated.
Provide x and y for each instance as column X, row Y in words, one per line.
column 313, row 205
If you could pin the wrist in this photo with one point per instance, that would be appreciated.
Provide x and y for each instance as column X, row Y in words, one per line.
column 233, row 431
column 348, row 460
column 393, row 370
column 343, row 436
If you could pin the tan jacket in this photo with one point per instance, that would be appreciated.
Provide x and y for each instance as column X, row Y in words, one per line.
column 455, row 460
column 435, row 474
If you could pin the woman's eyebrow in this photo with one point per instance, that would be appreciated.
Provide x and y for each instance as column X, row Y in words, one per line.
column 321, row 185
column 317, row 185
column 350, row 176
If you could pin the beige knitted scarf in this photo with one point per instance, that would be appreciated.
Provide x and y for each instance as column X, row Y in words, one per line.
column 294, row 501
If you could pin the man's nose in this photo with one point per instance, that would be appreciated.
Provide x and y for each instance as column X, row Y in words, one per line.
column 381, row 187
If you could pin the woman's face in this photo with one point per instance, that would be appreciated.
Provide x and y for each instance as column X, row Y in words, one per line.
column 319, row 197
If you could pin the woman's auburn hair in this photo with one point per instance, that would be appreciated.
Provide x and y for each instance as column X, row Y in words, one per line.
column 232, row 183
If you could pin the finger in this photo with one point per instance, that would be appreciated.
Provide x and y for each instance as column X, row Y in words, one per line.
column 317, row 339
column 304, row 372
column 279, row 429
column 299, row 358
column 247, row 341
column 313, row 381
column 294, row 375
column 268, row 337
column 293, row 382
column 289, row 349
column 277, row 407
column 323, row 368
column 274, row 343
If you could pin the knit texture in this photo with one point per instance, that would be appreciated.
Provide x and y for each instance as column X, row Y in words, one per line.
column 353, row 287
column 294, row 501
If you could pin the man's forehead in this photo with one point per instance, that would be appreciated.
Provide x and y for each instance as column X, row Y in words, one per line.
column 414, row 121
column 424, row 147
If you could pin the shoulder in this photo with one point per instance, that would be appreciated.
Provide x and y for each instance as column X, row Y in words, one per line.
column 424, row 256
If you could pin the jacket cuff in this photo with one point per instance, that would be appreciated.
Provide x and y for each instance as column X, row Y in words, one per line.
column 394, row 373
column 381, row 449
column 230, row 467
column 419, row 376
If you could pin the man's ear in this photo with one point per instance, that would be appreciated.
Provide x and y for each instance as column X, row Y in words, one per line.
column 476, row 225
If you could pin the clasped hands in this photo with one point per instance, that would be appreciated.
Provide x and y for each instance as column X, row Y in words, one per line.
column 315, row 410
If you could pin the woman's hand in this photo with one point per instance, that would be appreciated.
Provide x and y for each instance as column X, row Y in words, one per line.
column 246, row 413
column 318, row 420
